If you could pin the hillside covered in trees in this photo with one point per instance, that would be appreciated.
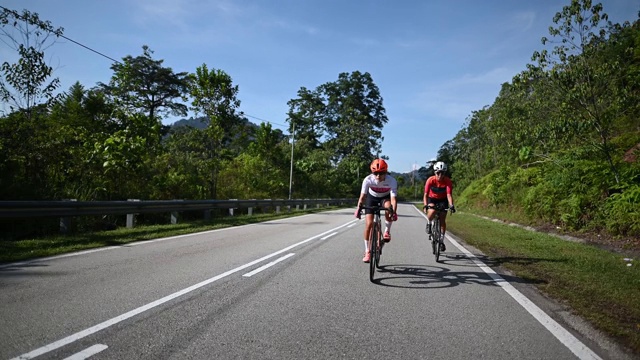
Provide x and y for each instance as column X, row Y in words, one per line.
column 560, row 144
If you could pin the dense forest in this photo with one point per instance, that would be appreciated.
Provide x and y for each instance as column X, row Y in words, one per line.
column 558, row 145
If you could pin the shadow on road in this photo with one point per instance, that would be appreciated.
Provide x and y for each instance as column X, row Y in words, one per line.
column 412, row 276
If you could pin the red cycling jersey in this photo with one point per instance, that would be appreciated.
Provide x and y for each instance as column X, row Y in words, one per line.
column 438, row 189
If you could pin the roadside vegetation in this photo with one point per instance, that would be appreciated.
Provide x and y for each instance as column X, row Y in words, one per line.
column 600, row 286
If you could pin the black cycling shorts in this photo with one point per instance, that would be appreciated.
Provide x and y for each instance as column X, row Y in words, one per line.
column 438, row 203
column 375, row 201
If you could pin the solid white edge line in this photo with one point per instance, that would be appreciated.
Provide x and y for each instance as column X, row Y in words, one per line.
column 103, row 325
column 266, row 266
column 571, row 342
column 88, row 352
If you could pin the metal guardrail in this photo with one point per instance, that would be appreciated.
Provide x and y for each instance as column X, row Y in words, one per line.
column 30, row 209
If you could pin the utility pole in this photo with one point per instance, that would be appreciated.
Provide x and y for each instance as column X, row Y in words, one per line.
column 293, row 135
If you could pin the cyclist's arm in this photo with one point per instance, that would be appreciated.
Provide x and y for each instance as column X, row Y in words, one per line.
column 394, row 204
column 363, row 192
column 450, row 193
column 425, row 199
column 361, row 200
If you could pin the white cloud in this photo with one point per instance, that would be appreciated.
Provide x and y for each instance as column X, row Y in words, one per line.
column 522, row 21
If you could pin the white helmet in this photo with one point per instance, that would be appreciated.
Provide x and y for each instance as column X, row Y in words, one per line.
column 440, row 166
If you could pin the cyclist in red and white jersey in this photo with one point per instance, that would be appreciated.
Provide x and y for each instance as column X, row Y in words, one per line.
column 437, row 190
column 378, row 189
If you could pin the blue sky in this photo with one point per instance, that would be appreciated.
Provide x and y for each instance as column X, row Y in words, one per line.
column 435, row 62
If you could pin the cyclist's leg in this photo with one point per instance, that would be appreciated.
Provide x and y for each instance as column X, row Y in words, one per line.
column 367, row 230
column 443, row 222
column 386, row 201
column 369, row 201
column 430, row 214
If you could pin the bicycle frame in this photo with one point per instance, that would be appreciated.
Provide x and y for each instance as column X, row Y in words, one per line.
column 375, row 238
column 436, row 235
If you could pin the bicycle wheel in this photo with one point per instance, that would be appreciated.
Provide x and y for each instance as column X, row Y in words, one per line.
column 374, row 248
column 379, row 245
column 433, row 244
column 437, row 238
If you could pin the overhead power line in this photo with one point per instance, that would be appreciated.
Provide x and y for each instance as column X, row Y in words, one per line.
column 119, row 62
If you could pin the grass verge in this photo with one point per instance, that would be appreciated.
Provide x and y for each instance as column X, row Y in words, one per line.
column 11, row 251
column 596, row 284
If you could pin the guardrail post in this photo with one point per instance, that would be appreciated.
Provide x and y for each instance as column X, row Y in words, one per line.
column 231, row 209
column 65, row 222
column 278, row 209
column 297, row 207
column 131, row 218
column 174, row 217
column 250, row 211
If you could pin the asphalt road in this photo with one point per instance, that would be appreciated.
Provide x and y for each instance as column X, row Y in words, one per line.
column 294, row 288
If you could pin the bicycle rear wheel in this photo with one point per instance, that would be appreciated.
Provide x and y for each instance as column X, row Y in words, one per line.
column 437, row 238
column 433, row 244
column 374, row 248
column 379, row 245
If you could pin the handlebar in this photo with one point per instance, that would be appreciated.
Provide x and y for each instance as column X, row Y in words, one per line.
column 437, row 208
column 376, row 208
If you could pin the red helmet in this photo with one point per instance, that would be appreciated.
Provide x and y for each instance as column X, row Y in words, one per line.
column 378, row 165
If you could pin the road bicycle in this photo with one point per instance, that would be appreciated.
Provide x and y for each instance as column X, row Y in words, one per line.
column 375, row 237
column 436, row 236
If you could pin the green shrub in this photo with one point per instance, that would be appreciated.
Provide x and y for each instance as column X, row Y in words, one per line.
column 573, row 211
column 538, row 203
column 622, row 212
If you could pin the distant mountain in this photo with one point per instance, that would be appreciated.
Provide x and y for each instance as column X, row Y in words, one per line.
column 198, row 123
column 202, row 122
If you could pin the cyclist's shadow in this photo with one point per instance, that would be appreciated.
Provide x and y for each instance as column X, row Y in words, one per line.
column 429, row 277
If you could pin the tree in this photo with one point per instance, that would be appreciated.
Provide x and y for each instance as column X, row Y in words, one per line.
column 338, row 129
column 142, row 84
column 354, row 117
column 265, row 144
column 307, row 117
column 215, row 96
column 580, row 71
column 26, row 82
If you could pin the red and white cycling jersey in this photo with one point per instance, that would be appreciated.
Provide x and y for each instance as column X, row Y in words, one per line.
column 371, row 185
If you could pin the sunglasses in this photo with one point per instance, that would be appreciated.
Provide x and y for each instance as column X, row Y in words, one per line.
column 439, row 172
column 379, row 173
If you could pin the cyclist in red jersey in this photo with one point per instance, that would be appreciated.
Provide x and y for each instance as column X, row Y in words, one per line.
column 437, row 190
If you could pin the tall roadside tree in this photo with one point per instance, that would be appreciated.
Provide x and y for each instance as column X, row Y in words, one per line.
column 310, row 162
column 581, row 73
column 354, row 120
column 306, row 117
column 142, row 91
column 214, row 95
column 27, row 82
column 354, row 117
column 338, row 128
column 142, row 85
